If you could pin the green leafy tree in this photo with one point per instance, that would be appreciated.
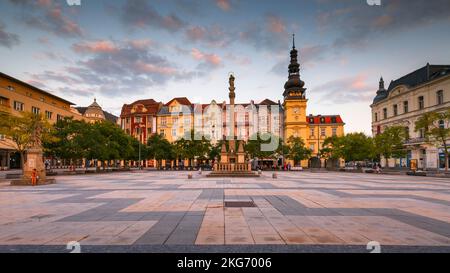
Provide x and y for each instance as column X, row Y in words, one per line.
column 437, row 130
column 265, row 145
column 159, row 149
column 297, row 150
column 390, row 143
column 69, row 137
column 351, row 147
column 26, row 131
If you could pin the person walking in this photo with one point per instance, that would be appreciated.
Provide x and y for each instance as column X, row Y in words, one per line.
column 34, row 177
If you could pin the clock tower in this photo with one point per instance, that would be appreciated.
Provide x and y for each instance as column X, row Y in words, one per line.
column 294, row 105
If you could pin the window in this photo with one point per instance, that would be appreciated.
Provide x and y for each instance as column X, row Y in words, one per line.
column 421, row 103
column 311, row 120
column 42, row 99
column 175, row 120
column 48, row 114
column 163, row 121
column 35, row 110
column 59, row 117
column 334, row 131
column 311, row 147
column 378, row 129
column 422, row 133
column 128, row 120
column 162, row 133
column 4, row 101
column 406, row 133
column 322, row 132
column 322, row 120
column 138, row 119
column 405, row 107
column 385, row 113
column 18, row 106
column 440, row 97
column 10, row 88
column 333, row 120
column 174, row 132
column 2, row 137
column 376, row 117
column 395, row 110
column 311, row 132
column 441, row 124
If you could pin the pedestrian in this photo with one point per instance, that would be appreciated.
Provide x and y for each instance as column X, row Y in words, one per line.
column 34, row 177
column 289, row 166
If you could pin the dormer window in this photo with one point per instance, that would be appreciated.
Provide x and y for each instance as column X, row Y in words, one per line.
column 322, row 120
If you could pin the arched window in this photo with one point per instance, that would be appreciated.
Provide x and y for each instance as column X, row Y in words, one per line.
column 441, row 124
column 406, row 132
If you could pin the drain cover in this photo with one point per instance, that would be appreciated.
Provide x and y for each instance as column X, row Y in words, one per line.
column 239, row 204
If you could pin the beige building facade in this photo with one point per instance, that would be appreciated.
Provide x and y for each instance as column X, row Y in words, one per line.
column 17, row 96
column 403, row 103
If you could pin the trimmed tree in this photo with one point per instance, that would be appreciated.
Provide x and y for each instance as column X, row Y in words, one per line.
column 437, row 130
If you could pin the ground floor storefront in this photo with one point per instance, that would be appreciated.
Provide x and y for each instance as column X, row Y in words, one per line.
column 420, row 157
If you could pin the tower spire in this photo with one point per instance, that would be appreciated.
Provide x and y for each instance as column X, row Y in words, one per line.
column 381, row 85
column 293, row 40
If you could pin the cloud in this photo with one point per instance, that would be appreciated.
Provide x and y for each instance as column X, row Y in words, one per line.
column 308, row 56
column 208, row 60
column 117, row 68
column 8, row 39
column 345, row 90
column 268, row 35
column 224, row 4
column 138, row 13
column 214, row 36
column 48, row 16
column 95, row 47
column 238, row 59
column 276, row 24
column 358, row 23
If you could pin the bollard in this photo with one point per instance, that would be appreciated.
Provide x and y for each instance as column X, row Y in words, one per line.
column 274, row 175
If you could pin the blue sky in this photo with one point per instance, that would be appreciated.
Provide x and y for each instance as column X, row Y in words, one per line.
column 124, row 50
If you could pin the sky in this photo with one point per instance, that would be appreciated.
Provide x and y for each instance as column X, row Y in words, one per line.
column 119, row 51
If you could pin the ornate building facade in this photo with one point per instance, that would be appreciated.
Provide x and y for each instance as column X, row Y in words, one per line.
column 284, row 119
column 404, row 102
column 17, row 96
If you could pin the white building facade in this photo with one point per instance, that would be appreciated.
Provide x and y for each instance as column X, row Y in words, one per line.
column 403, row 103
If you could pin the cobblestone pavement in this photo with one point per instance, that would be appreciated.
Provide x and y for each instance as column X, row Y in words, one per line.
column 150, row 210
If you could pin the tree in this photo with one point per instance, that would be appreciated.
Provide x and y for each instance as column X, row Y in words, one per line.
column 436, row 126
column 265, row 145
column 351, row 147
column 390, row 143
column 297, row 149
column 69, row 136
column 26, row 131
column 159, row 149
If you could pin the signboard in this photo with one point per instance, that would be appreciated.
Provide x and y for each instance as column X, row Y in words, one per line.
column 413, row 164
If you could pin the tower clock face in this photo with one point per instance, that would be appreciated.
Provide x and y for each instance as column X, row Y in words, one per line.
column 296, row 110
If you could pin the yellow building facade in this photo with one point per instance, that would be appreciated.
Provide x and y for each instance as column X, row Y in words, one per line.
column 312, row 129
column 17, row 96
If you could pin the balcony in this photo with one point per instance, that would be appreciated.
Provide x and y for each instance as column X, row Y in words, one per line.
column 415, row 141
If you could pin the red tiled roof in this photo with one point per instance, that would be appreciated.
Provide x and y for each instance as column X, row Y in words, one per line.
column 182, row 101
column 150, row 104
column 328, row 119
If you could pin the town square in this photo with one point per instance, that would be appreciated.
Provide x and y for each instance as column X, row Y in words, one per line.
column 224, row 126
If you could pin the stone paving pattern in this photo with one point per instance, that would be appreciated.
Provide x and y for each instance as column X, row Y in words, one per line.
column 165, row 208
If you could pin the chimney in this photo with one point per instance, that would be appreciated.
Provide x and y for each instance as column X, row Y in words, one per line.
column 428, row 71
